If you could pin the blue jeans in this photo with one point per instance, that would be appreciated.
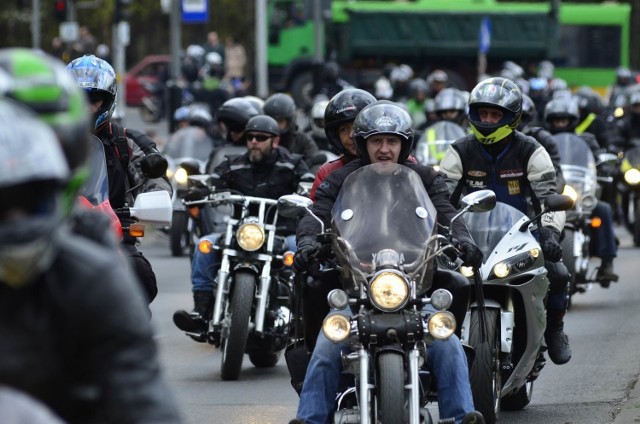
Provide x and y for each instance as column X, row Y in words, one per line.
column 446, row 358
column 205, row 266
column 603, row 240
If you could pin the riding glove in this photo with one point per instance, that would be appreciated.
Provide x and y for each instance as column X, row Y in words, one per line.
column 303, row 259
column 549, row 242
column 197, row 193
column 471, row 255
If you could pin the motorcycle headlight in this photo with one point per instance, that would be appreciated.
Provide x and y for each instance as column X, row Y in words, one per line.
column 181, row 176
column 389, row 291
column 632, row 177
column 250, row 236
column 441, row 325
column 571, row 192
column 514, row 264
column 169, row 173
column 336, row 327
column 467, row 271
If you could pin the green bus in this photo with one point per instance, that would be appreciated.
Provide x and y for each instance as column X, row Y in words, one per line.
column 586, row 42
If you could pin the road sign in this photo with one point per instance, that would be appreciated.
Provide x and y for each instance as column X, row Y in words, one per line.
column 484, row 36
column 195, row 11
column 69, row 31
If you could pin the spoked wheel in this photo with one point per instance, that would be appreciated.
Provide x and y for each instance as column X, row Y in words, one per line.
column 239, row 313
column 485, row 375
column 391, row 393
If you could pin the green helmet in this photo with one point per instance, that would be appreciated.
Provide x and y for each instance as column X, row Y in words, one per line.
column 43, row 83
column 497, row 93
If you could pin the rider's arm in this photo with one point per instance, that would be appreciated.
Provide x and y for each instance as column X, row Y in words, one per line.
column 451, row 167
column 542, row 178
column 138, row 180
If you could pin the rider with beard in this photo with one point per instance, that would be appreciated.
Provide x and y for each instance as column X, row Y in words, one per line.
column 519, row 170
column 264, row 170
column 124, row 149
column 282, row 108
column 62, row 341
column 561, row 116
column 383, row 133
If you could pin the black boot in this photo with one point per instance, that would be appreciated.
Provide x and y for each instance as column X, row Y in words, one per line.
column 557, row 342
column 473, row 417
column 605, row 274
column 197, row 320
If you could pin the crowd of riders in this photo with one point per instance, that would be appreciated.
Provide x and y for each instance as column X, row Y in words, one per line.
column 57, row 109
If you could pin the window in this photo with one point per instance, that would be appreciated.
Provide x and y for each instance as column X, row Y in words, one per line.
column 589, row 46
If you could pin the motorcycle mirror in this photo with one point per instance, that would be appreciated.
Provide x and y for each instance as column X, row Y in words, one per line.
column 558, row 202
column 191, row 166
column 608, row 158
column 479, row 201
column 153, row 207
column 154, row 165
column 293, row 205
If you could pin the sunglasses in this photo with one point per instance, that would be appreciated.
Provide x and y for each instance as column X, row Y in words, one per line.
column 260, row 138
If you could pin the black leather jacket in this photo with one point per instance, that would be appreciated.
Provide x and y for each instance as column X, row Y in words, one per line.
column 327, row 193
column 78, row 340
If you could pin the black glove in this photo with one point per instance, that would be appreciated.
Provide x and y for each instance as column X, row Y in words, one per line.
column 550, row 244
column 307, row 247
column 471, row 255
column 196, row 193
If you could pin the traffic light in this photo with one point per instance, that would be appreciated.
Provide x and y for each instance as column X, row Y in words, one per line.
column 121, row 11
column 60, row 10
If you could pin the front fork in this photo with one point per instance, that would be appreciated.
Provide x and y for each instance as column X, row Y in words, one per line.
column 222, row 292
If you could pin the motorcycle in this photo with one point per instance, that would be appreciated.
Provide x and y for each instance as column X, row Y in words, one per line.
column 507, row 332
column 187, row 152
column 154, row 104
column 151, row 208
column 385, row 241
column 251, row 310
column 629, row 188
column 579, row 171
column 435, row 140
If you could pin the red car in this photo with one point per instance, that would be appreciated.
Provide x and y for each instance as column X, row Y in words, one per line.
column 148, row 69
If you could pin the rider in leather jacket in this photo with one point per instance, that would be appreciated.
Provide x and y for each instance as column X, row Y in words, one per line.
column 264, row 171
column 519, row 170
column 390, row 141
column 62, row 343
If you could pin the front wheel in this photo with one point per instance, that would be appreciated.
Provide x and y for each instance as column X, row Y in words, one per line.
column 519, row 399
column 237, row 321
column 264, row 359
column 486, row 379
column 391, row 393
column 179, row 233
column 636, row 222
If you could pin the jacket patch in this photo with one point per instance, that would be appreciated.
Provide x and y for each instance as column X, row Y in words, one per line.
column 511, row 173
column 477, row 173
column 514, row 187
column 476, row 184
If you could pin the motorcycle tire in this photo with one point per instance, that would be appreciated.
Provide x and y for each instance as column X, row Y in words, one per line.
column 569, row 261
column 179, row 233
column 519, row 399
column 264, row 359
column 485, row 374
column 238, row 316
column 390, row 389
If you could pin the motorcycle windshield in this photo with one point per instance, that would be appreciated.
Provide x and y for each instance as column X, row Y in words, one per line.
column 435, row 141
column 488, row 228
column 190, row 142
column 96, row 188
column 575, row 151
column 383, row 206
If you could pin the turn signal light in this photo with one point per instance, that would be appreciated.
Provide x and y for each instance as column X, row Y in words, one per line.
column 136, row 230
column 596, row 222
column 205, row 246
column 287, row 258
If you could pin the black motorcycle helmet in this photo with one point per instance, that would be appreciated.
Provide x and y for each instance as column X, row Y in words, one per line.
column 264, row 124
column 344, row 107
column 450, row 99
column 383, row 117
column 561, row 108
column 529, row 112
column 281, row 106
column 499, row 93
column 235, row 113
